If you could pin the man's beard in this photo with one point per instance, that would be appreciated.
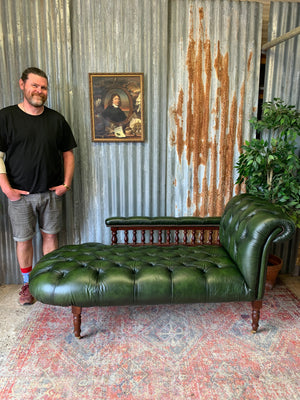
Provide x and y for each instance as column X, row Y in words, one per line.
column 36, row 100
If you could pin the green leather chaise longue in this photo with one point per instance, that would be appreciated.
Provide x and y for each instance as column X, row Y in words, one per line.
column 168, row 260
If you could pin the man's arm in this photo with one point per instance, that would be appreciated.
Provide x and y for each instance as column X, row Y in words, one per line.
column 69, row 165
column 12, row 194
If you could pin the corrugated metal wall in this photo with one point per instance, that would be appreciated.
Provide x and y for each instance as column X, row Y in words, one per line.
column 212, row 93
column 121, row 178
column 282, row 79
column 200, row 61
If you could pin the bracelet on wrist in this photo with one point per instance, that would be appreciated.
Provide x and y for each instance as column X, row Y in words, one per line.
column 66, row 186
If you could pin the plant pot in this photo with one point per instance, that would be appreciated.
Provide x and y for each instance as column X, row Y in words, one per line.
column 273, row 268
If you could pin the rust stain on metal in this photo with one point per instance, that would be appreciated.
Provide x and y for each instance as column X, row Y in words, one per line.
column 249, row 61
column 198, row 63
column 239, row 131
column 177, row 115
column 221, row 69
column 189, row 200
column 212, row 154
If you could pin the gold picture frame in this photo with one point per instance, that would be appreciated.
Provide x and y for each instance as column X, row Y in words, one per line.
column 117, row 107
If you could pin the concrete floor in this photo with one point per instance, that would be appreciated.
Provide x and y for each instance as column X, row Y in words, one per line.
column 13, row 316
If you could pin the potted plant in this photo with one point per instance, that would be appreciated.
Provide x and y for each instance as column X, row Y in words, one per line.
column 269, row 165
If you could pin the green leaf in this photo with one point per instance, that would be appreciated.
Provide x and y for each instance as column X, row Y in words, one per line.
column 270, row 167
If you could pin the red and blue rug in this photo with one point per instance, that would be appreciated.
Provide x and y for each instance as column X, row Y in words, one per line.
column 170, row 352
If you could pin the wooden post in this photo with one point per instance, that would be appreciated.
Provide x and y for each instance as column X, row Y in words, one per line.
column 114, row 237
column 126, row 236
column 256, row 306
column 77, row 320
column 177, row 236
column 151, row 236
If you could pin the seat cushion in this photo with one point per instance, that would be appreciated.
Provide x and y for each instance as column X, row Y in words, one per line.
column 95, row 274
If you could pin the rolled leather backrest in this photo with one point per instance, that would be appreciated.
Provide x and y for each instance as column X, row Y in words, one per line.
column 247, row 228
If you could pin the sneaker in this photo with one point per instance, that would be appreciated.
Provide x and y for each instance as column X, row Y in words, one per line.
column 25, row 296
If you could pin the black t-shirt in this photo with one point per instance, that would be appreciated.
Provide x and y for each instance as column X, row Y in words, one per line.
column 34, row 147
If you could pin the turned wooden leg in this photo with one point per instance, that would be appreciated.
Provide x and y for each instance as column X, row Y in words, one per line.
column 256, row 306
column 77, row 320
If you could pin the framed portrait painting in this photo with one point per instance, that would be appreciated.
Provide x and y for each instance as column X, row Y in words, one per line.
column 117, row 107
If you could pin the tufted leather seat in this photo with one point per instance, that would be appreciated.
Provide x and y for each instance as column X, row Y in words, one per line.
column 95, row 274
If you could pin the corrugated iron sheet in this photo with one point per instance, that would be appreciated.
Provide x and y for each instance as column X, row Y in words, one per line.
column 212, row 95
column 121, row 178
column 200, row 61
column 282, row 79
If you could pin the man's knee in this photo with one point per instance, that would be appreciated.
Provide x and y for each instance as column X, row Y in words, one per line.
column 50, row 242
column 49, row 236
column 24, row 244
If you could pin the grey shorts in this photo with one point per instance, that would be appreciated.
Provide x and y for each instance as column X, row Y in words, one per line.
column 44, row 208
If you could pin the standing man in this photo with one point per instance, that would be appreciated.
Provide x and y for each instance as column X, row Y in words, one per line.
column 36, row 169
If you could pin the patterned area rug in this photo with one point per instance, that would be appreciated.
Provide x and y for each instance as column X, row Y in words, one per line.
column 200, row 351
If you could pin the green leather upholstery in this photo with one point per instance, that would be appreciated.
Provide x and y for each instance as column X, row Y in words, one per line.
column 162, row 221
column 95, row 274
column 247, row 228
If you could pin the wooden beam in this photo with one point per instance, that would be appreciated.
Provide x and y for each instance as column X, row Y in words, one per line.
column 280, row 39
